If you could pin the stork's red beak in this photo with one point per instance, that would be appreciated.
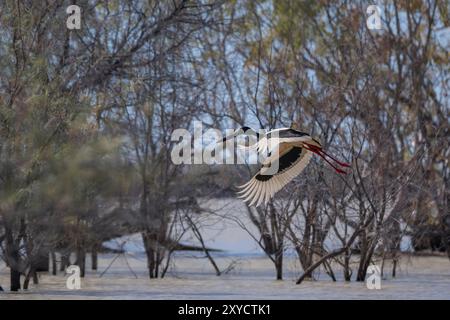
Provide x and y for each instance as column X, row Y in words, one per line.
column 318, row 150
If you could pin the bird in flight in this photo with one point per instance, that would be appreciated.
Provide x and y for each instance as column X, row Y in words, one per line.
column 289, row 152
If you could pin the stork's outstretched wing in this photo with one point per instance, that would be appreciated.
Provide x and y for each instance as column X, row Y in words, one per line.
column 290, row 161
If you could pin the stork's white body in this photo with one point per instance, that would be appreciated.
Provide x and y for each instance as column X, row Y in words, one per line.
column 290, row 151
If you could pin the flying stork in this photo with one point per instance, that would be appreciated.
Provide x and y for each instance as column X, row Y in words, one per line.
column 290, row 151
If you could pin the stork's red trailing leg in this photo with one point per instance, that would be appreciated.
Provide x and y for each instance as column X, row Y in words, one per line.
column 323, row 155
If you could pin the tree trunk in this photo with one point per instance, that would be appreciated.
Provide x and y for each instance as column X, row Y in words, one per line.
column 54, row 265
column 26, row 282
column 367, row 253
column 199, row 237
column 13, row 259
column 363, row 252
column 94, row 258
column 396, row 249
column 150, row 252
column 15, row 280
column 329, row 271
column 347, row 270
column 279, row 265
column 307, row 273
column 81, row 260
column 394, row 268
column 41, row 263
column 31, row 274
column 157, row 261
column 65, row 261
column 303, row 261
column 330, row 255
